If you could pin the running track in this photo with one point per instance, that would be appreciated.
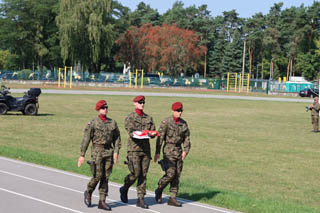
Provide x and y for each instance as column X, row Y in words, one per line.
column 26, row 187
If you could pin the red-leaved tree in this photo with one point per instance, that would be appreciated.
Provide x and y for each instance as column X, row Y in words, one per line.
column 166, row 48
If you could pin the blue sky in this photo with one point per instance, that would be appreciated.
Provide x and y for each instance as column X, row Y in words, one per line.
column 245, row 8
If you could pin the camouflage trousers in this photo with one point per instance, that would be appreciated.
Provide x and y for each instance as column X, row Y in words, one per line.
column 103, row 171
column 315, row 122
column 172, row 176
column 138, row 164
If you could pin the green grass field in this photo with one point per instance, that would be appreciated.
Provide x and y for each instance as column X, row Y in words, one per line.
column 250, row 156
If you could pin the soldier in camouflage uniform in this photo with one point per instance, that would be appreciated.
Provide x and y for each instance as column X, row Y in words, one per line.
column 106, row 143
column 139, row 154
column 174, row 132
column 315, row 107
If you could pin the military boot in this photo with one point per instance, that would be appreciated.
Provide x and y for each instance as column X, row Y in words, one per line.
column 174, row 202
column 124, row 194
column 140, row 203
column 103, row 205
column 158, row 196
column 87, row 198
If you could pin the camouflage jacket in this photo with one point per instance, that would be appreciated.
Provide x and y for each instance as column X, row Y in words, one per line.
column 134, row 122
column 103, row 133
column 173, row 135
column 315, row 109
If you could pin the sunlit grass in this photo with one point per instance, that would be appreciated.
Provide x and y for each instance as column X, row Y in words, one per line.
column 125, row 88
column 251, row 156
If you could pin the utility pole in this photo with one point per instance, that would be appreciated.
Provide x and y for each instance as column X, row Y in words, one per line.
column 243, row 62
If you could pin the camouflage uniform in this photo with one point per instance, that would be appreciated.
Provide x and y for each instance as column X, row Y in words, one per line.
column 105, row 137
column 315, row 116
column 139, row 154
column 173, row 135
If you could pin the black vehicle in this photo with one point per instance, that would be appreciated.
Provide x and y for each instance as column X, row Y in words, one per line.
column 308, row 92
column 28, row 104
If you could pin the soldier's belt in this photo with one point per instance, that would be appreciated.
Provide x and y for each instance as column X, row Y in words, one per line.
column 104, row 146
column 175, row 144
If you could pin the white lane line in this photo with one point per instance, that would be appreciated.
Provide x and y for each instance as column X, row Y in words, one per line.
column 66, row 188
column 111, row 184
column 42, row 201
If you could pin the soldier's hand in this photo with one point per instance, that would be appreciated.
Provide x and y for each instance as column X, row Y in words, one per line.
column 151, row 134
column 156, row 157
column 184, row 155
column 80, row 161
column 115, row 157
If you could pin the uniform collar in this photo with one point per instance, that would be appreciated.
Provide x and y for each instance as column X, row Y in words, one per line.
column 103, row 118
column 139, row 112
column 177, row 120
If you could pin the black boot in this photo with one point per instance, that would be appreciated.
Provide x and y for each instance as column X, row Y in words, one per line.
column 87, row 198
column 158, row 196
column 174, row 202
column 103, row 205
column 140, row 203
column 124, row 194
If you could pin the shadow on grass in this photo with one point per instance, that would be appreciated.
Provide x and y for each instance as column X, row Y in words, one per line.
column 45, row 114
column 20, row 114
column 199, row 196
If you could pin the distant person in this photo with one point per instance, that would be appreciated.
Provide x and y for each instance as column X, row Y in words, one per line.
column 139, row 154
column 174, row 133
column 315, row 107
column 222, row 84
column 106, row 143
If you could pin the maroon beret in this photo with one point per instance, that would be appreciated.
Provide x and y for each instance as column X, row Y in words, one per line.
column 176, row 106
column 101, row 103
column 139, row 98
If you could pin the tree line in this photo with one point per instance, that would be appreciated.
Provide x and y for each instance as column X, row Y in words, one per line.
column 102, row 35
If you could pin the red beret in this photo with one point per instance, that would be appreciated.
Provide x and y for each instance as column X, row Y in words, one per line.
column 176, row 106
column 139, row 98
column 101, row 103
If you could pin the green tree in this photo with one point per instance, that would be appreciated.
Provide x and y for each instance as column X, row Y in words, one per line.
column 7, row 60
column 144, row 14
column 28, row 30
column 232, row 60
column 254, row 28
column 217, row 48
column 86, row 32
column 313, row 16
column 121, row 22
column 309, row 63
column 271, row 38
column 177, row 15
column 226, row 37
column 293, row 30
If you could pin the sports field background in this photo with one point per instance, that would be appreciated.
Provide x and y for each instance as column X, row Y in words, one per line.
column 251, row 156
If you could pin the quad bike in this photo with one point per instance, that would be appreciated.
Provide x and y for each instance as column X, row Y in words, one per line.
column 28, row 104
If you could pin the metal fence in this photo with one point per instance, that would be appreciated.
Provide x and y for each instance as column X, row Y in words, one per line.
column 101, row 77
column 255, row 85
